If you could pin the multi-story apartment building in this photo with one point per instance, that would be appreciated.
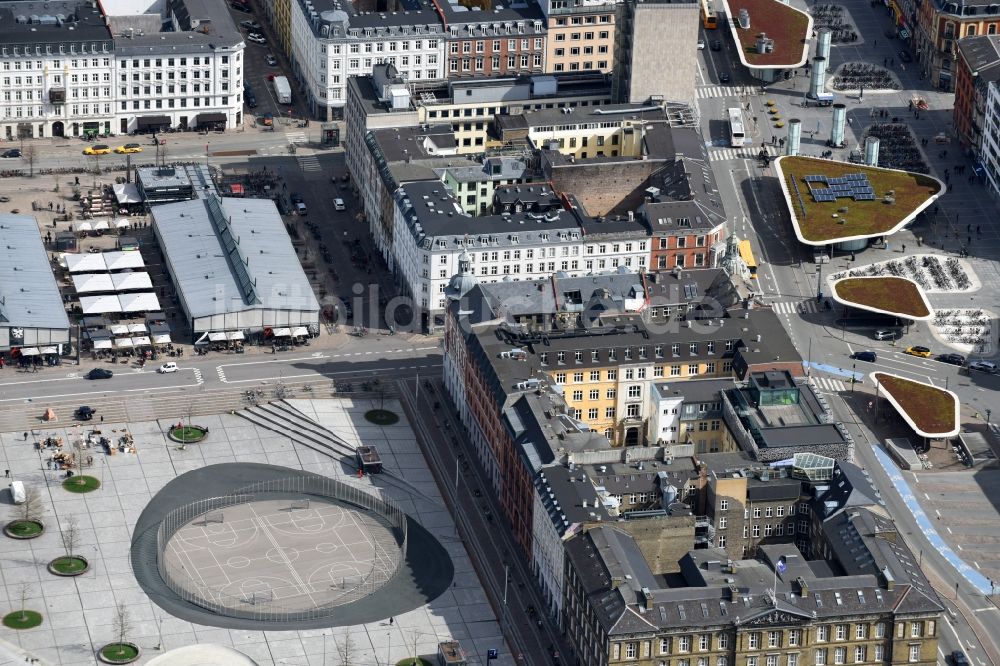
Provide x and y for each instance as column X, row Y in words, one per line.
column 649, row 33
column 581, row 35
column 689, row 414
column 474, row 186
column 940, row 26
column 331, row 42
column 989, row 148
column 766, row 612
column 77, row 71
column 487, row 38
column 977, row 66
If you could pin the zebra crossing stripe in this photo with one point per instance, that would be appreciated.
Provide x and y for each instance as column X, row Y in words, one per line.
column 796, row 307
column 833, row 385
column 309, row 163
column 222, row 375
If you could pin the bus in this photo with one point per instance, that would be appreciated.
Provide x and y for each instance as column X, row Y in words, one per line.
column 736, row 131
column 746, row 254
column 708, row 18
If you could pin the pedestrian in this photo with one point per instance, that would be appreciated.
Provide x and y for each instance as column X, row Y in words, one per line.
column 875, row 43
column 391, row 621
column 102, row 418
column 968, row 241
column 978, row 232
column 6, row 473
column 904, row 248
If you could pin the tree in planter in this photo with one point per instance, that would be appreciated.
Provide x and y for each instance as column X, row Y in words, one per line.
column 71, row 536
column 122, row 624
column 23, row 592
column 30, row 154
column 345, row 649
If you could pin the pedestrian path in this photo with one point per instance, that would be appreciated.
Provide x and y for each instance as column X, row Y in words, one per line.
column 743, row 153
column 308, row 163
column 708, row 92
column 796, row 307
column 826, row 384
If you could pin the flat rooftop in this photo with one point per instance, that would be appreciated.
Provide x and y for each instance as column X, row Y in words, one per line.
column 40, row 23
column 29, row 295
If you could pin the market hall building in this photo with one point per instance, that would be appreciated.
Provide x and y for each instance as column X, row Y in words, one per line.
column 234, row 270
column 33, row 319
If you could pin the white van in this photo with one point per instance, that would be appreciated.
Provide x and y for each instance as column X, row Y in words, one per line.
column 338, row 204
column 17, row 492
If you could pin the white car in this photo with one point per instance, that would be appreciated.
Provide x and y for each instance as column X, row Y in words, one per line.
column 701, row 44
column 167, row 367
column 338, row 204
column 257, row 39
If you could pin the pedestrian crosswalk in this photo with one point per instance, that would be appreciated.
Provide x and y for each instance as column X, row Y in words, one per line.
column 796, row 307
column 744, row 153
column 308, row 163
column 828, row 384
column 296, row 137
column 707, row 92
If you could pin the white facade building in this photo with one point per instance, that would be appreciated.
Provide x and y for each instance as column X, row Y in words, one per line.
column 75, row 71
column 665, row 414
column 990, row 148
column 329, row 45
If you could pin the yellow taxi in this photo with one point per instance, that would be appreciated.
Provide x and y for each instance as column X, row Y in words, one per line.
column 922, row 352
column 98, row 149
column 128, row 148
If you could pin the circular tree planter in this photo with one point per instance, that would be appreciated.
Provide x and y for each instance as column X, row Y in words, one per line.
column 22, row 619
column 382, row 417
column 413, row 661
column 69, row 566
column 81, row 484
column 119, row 653
column 24, row 529
column 189, row 434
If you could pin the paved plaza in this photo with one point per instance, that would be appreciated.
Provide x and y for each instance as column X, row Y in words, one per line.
column 78, row 611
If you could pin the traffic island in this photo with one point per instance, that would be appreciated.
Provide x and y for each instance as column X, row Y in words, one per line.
column 119, row 653
column 81, row 484
column 189, row 434
column 22, row 619
column 382, row 417
column 69, row 565
column 24, row 529
column 930, row 411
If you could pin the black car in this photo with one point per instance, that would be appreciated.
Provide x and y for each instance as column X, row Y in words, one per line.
column 251, row 100
column 951, row 359
column 296, row 198
column 716, row 45
column 866, row 356
column 100, row 373
column 85, row 413
column 723, row 78
column 13, row 152
column 905, row 56
column 959, row 659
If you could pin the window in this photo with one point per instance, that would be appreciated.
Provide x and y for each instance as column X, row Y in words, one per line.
column 705, row 642
column 723, row 641
column 756, row 512
column 577, row 395
column 914, row 653
column 592, row 413
column 631, row 650
column 609, row 412
column 560, row 378
column 879, row 654
column 915, row 629
column 773, row 639
column 595, row 375
column 821, row 657
column 578, row 377
column 684, row 644
column 859, row 654
column 880, row 630
column 794, row 635
column 664, row 646
column 722, row 522
column 721, row 542
column 822, row 633
column 611, row 394
column 595, row 394
column 772, row 660
column 793, row 660
column 839, row 655
column 753, row 640
column 724, row 505
column 635, row 391
column 861, row 631
column 751, row 661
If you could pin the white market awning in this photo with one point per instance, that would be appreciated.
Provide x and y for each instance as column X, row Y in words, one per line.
column 161, row 338
column 300, row 332
column 101, row 225
column 131, row 281
column 122, row 223
column 85, row 263
column 92, row 305
column 123, row 343
column 235, row 335
column 49, row 350
column 217, row 336
column 127, row 193
column 142, row 341
column 102, row 344
column 118, row 329
column 143, row 301
column 118, row 261
column 281, row 332
column 91, row 283
column 136, row 328
column 29, row 351
column 83, row 225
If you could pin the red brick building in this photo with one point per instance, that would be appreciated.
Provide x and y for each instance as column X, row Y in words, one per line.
column 488, row 42
column 977, row 65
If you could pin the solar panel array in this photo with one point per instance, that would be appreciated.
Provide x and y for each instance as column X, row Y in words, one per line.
column 854, row 185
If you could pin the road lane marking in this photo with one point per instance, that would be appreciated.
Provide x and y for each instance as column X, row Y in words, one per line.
column 103, row 394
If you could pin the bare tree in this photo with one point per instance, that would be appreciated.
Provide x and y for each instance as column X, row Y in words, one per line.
column 30, row 154
column 24, row 591
column 345, row 648
column 122, row 623
column 32, row 507
column 71, row 536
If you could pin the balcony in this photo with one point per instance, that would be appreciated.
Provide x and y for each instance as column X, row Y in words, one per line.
column 57, row 95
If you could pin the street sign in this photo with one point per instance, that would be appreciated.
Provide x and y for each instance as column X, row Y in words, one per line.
column 492, row 654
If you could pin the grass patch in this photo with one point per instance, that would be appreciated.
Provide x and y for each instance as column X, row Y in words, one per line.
column 25, row 529
column 22, row 619
column 864, row 218
column 81, row 484
column 930, row 408
column 122, row 652
column 188, row 433
column 413, row 661
column 382, row 417
column 785, row 25
column 892, row 295
column 68, row 566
